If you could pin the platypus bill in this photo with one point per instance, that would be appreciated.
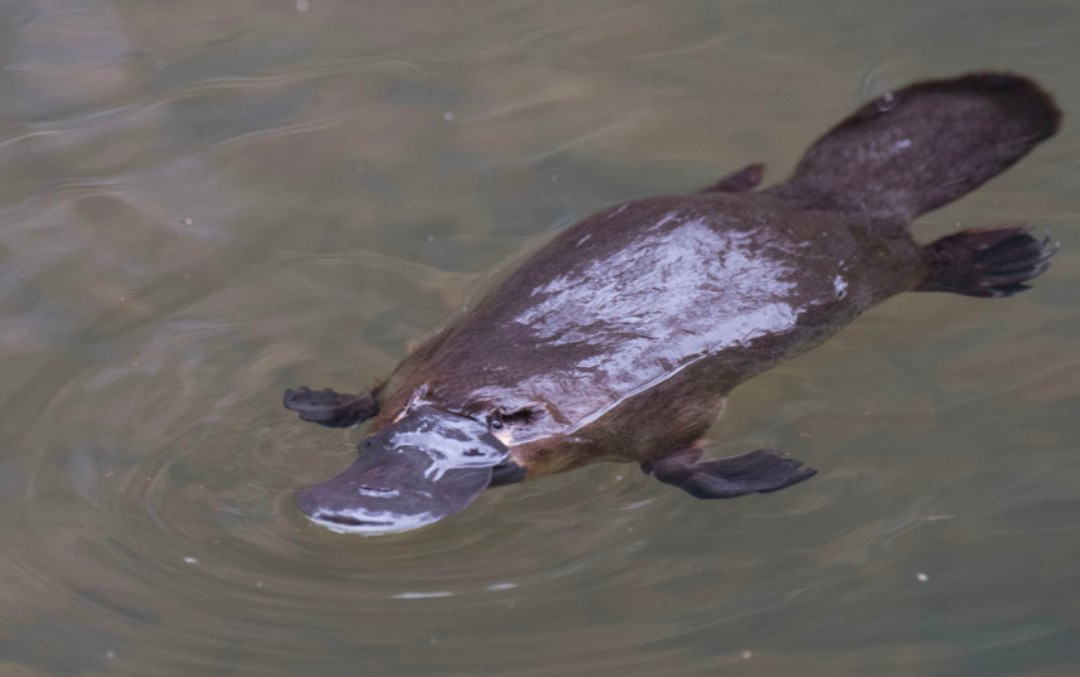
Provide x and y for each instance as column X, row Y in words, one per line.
column 620, row 339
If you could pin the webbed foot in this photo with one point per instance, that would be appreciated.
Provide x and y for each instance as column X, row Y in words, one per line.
column 330, row 408
column 987, row 262
column 759, row 471
column 507, row 473
column 740, row 181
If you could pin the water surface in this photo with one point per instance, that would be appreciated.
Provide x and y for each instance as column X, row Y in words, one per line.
column 205, row 202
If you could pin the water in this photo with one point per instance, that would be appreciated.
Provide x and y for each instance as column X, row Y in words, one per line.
column 202, row 203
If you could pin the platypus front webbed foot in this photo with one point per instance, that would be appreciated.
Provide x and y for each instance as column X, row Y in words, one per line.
column 759, row 471
column 507, row 472
column 330, row 408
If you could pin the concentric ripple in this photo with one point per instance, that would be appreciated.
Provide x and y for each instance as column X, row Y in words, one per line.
column 169, row 529
column 162, row 520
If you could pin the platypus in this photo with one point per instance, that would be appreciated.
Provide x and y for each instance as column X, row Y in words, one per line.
column 621, row 338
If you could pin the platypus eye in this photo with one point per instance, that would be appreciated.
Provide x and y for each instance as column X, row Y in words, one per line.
column 522, row 416
column 501, row 419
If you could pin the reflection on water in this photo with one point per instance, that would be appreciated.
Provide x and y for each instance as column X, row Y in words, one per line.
column 202, row 203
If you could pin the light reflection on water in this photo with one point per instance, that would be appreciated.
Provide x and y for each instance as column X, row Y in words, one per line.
column 204, row 203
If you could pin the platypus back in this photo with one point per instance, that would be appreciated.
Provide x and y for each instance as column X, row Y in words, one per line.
column 923, row 146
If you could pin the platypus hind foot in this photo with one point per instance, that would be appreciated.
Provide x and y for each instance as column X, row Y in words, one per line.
column 741, row 181
column 759, row 471
column 330, row 408
column 987, row 262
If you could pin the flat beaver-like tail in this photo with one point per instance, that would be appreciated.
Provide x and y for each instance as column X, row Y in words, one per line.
column 923, row 146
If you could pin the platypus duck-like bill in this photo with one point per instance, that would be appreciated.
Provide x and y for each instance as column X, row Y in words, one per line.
column 621, row 338
column 428, row 465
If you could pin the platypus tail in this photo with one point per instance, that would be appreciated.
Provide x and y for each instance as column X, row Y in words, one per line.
column 923, row 146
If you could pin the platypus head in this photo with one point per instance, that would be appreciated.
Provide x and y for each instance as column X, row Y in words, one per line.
column 425, row 466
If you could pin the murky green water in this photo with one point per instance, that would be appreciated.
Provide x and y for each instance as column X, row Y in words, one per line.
column 203, row 202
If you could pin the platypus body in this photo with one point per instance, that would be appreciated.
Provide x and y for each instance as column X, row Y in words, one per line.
column 620, row 339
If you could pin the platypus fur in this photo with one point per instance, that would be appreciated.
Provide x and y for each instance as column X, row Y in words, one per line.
column 620, row 339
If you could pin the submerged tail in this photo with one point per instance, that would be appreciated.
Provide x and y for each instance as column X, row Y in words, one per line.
column 923, row 146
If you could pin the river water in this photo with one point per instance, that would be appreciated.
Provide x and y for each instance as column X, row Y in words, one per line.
column 205, row 202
